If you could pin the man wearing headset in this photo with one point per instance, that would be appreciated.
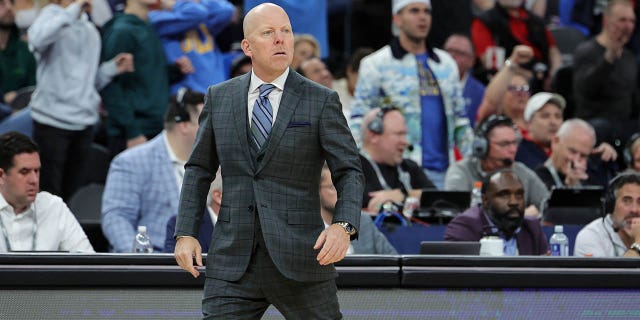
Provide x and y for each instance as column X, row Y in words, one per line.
column 618, row 233
column 143, row 184
column 388, row 176
column 494, row 148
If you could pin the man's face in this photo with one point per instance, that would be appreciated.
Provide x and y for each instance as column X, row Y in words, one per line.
column 545, row 123
column 573, row 150
column 390, row 145
column 302, row 51
column 21, row 183
column 317, row 71
column 460, row 49
column 636, row 159
column 504, row 202
column 328, row 194
column 503, row 145
column 8, row 16
column 627, row 207
column 516, row 97
column 414, row 21
column 269, row 41
column 619, row 24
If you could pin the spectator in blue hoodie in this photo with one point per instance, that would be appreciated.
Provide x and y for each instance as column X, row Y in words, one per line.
column 188, row 28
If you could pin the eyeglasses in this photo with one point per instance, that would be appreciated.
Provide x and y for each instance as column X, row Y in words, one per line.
column 504, row 144
column 519, row 89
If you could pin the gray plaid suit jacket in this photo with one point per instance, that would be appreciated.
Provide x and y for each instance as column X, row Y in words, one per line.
column 281, row 181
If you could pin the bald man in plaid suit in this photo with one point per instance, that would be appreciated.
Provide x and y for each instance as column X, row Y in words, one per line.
column 270, row 131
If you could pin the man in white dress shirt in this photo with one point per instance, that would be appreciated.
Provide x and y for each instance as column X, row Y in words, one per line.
column 31, row 220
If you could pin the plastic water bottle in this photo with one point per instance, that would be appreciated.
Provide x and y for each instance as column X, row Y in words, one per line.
column 476, row 194
column 559, row 242
column 142, row 243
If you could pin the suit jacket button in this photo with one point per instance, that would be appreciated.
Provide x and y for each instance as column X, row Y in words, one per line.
column 250, row 208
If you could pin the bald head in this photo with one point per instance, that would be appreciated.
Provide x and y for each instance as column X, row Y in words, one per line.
column 268, row 41
column 261, row 11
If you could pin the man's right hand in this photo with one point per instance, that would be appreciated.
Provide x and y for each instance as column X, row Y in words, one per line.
column 521, row 55
column 186, row 249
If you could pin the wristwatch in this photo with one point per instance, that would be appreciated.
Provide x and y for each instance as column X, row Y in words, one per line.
column 348, row 228
column 635, row 247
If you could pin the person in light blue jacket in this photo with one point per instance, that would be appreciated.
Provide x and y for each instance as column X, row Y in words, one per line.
column 65, row 104
column 187, row 28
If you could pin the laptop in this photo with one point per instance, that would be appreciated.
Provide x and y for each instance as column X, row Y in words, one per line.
column 443, row 204
column 469, row 248
column 574, row 205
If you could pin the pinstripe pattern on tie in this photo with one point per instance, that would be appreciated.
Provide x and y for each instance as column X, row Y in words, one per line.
column 262, row 115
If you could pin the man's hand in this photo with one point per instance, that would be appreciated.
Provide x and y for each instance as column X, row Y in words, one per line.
column 85, row 6
column 10, row 96
column 136, row 141
column 382, row 196
column 334, row 243
column 124, row 62
column 186, row 249
column 634, row 229
column 521, row 55
column 574, row 173
column 184, row 64
column 606, row 151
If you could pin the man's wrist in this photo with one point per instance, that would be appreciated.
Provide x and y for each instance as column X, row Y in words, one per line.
column 635, row 247
column 348, row 228
column 178, row 237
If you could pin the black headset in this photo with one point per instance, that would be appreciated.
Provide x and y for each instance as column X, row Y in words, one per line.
column 480, row 145
column 376, row 125
column 182, row 114
column 627, row 153
column 615, row 184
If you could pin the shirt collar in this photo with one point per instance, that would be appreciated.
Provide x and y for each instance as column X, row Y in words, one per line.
column 6, row 207
column 172, row 155
column 278, row 82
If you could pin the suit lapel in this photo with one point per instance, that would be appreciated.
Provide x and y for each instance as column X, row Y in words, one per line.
column 290, row 98
column 239, row 106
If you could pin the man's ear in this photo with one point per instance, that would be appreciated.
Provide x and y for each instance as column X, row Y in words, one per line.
column 246, row 47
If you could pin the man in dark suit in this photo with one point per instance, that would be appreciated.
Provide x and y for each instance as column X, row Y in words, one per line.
column 270, row 131
column 501, row 214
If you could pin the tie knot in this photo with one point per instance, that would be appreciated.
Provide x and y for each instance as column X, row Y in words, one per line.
column 265, row 89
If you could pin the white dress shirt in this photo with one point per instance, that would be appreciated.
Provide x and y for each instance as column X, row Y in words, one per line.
column 178, row 165
column 274, row 96
column 56, row 228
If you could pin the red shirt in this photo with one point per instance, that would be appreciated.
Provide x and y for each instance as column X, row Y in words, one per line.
column 483, row 39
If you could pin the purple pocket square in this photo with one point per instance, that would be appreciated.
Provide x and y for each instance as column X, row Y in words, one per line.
column 298, row 124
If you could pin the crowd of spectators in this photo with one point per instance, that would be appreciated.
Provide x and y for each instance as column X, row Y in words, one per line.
column 461, row 93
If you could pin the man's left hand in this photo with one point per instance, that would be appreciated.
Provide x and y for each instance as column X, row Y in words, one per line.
column 606, row 151
column 334, row 243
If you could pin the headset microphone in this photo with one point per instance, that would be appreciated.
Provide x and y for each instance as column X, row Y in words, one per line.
column 410, row 148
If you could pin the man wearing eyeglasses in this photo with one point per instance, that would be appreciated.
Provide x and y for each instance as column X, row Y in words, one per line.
column 570, row 149
column 494, row 148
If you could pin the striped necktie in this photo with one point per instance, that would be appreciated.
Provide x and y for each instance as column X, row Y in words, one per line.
column 262, row 115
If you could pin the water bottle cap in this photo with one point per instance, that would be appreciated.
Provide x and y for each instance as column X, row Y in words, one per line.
column 558, row 228
column 142, row 229
column 477, row 185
